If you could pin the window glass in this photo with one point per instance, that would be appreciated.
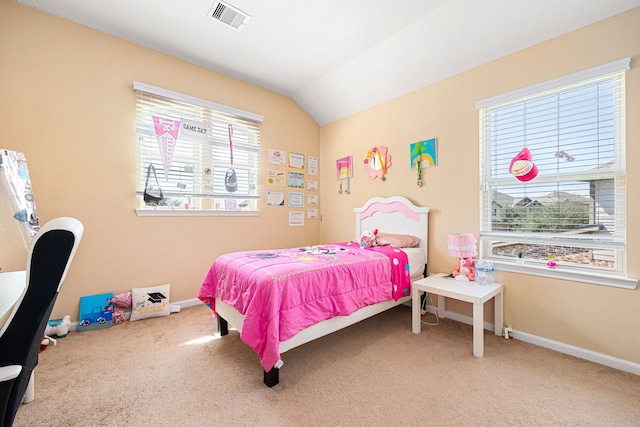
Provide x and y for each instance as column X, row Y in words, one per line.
column 204, row 156
column 553, row 176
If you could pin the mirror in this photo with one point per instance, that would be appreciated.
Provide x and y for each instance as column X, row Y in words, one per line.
column 18, row 214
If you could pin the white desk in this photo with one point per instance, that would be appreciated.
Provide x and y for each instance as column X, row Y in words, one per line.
column 12, row 285
column 443, row 286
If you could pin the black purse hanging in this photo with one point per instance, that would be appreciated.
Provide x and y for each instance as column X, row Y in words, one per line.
column 152, row 194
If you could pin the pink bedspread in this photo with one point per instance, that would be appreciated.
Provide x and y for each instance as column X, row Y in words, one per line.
column 284, row 291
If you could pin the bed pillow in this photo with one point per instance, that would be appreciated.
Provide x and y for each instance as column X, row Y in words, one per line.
column 416, row 259
column 150, row 302
column 397, row 240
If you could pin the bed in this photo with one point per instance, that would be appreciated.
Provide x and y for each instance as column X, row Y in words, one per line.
column 283, row 298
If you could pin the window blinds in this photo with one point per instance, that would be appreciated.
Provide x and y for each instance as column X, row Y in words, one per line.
column 187, row 140
column 574, row 129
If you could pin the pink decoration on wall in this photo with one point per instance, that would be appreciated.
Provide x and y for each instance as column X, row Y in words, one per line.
column 167, row 131
column 377, row 162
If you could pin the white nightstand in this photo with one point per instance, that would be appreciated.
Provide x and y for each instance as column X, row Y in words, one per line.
column 443, row 286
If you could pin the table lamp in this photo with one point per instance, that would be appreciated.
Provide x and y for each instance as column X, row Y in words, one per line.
column 463, row 246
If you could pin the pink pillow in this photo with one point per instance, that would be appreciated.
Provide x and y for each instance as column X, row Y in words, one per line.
column 397, row 240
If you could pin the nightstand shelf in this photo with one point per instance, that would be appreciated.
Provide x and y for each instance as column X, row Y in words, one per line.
column 446, row 287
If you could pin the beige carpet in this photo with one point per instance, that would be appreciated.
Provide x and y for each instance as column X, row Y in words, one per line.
column 175, row 371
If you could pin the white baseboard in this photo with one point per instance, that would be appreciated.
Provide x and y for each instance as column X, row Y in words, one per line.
column 465, row 319
column 187, row 302
column 581, row 353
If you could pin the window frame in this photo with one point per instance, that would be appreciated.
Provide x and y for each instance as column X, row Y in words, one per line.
column 217, row 114
column 573, row 272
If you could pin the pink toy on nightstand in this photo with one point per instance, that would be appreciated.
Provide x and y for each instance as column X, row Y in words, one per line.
column 466, row 269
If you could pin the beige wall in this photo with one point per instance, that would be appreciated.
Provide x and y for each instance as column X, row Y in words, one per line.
column 598, row 318
column 66, row 100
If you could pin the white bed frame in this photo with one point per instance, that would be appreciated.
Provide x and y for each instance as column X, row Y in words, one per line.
column 390, row 215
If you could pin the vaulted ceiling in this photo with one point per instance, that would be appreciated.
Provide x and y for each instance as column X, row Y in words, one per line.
column 336, row 57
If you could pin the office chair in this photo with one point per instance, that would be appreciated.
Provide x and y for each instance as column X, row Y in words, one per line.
column 50, row 255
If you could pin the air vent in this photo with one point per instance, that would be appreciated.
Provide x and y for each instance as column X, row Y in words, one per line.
column 229, row 15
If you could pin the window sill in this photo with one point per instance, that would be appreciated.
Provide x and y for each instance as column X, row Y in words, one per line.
column 566, row 274
column 193, row 212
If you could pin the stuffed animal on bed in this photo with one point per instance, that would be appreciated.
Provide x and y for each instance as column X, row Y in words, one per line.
column 368, row 239
column 120, row 303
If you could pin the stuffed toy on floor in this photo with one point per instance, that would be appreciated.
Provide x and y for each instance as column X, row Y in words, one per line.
column 59, row 327
column 120, row 303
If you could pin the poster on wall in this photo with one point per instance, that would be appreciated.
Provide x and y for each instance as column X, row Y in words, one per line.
column 275, row 177
column 312, row 213
column 344, row 171
column 296, row 160
column 344, row 167
column 313, row 166
column 275, row 198
column 296, row 219
column 277, row 157
column 296, row 200
column 424, row 152
column 296, row 180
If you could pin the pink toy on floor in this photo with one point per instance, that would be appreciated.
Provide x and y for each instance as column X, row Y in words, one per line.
column 120, row 303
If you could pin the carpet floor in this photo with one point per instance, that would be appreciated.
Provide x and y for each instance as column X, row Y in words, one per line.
column 177, row 370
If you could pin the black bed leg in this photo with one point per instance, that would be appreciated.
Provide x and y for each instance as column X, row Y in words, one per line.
column 223, row 326
column 272, row 377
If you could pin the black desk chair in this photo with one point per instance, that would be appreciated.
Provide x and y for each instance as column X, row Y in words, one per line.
column 50, row 255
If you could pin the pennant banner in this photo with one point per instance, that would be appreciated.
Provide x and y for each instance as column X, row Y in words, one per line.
column 167, row 131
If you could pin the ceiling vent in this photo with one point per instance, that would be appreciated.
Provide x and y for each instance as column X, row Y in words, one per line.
column 229, row 15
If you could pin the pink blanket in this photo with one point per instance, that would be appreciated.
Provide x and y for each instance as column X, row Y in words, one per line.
column 282, row 292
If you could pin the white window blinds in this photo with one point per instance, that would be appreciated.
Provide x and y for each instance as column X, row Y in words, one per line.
column 573, row 211
column 190, row 142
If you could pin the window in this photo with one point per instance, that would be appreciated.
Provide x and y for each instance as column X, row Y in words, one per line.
column 190, row 143
column 573, row 211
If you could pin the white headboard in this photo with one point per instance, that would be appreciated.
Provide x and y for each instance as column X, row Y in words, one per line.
column 394, row 214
